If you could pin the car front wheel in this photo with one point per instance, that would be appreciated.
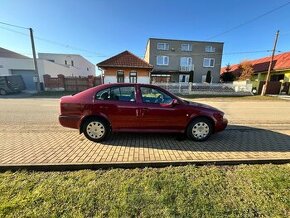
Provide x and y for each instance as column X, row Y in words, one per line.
column 199, row 129
column 96, row 130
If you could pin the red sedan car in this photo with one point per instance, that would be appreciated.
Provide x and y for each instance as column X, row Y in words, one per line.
column 137, row 108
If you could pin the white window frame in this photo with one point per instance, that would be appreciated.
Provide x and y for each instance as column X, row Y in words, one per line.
column 189, row 47
column 163, row 46
column 207, row 62
column 188, row 63
column 209, row 48
column 163, row 60
column 186, row 76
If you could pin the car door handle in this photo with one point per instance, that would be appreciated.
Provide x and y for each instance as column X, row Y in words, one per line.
column 104, row 107
column 143, row 110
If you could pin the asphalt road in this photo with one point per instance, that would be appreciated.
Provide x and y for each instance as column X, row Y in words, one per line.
column 31, row 135
column 41, row 111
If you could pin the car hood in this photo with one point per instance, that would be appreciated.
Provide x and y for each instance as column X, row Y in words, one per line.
column 204, row 106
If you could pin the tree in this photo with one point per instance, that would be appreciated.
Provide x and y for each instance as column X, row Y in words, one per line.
column 227, row 76
column 228, row 68
column 191, row 76
column 208, row 77
column 247, row 70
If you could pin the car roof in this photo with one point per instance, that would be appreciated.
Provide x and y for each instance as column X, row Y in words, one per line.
column 124, row 84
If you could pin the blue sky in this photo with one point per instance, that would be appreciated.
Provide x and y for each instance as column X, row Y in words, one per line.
column 102, row 28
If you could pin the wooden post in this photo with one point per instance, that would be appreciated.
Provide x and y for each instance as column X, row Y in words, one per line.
column 270, row 66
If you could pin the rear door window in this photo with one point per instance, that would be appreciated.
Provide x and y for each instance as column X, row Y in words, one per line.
column 117, row 93
column 103, row 94
column 123, row 93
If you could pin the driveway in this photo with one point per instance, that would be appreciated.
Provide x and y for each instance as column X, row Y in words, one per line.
column 30, row 135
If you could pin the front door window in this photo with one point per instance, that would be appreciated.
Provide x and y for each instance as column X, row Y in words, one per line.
column 151, row 95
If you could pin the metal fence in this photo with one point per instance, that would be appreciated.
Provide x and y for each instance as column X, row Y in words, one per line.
column 223, row 89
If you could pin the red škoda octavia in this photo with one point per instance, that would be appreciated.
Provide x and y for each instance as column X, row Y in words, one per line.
column 137, row 108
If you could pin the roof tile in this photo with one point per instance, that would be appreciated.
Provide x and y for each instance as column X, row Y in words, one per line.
column 280, row 62
column 125, row 59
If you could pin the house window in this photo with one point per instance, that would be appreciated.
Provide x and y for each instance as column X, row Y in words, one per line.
column 87, row 69
column 72, row 63
column 277, row 77
column 185, row 61
column 162, row 60
column 209, row 48
column 208, row 62
column 65, row 62
column 162, row 46
column 183, row 78
column 120, row 76
column 133, row 77
column 186, row 64
column 186, row 47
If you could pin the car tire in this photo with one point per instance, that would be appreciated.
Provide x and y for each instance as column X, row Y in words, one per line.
column 200, row 129
column 3, row 92
column 96, row 130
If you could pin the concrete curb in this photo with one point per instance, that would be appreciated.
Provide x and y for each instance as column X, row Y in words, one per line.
column 131, row 165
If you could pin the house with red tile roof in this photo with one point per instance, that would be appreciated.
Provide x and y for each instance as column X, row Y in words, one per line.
column 125, row 67
column 280, row 72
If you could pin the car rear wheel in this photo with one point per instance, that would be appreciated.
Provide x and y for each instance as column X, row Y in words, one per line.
column 95, row 130
column 3, row 92
column 200, row 129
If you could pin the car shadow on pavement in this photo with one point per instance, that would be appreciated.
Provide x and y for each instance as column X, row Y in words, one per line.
column 234, row 138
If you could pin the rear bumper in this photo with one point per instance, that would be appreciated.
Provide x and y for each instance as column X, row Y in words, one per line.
column 69, row 121
column 221, row 125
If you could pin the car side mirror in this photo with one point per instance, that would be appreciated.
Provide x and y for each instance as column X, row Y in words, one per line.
column 174, row 102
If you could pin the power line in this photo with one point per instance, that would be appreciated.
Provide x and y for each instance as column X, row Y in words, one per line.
column 56, row 43
column 250, row 21
column 95, row 54
column 15, row 31
column 13, row 25
column 67, row 46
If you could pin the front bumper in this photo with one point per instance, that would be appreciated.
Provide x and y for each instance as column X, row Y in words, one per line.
column 221, row 125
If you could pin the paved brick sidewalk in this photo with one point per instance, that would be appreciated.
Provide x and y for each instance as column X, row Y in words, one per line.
column 53, row 145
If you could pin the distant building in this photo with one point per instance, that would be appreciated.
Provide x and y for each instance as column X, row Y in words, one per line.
column 79, row 65
column 125, row 67
column 12, row 63
column 183, row 60
column 279, row 76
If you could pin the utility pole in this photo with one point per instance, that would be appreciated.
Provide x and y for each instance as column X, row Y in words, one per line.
column 270, row 66
column 34, row 60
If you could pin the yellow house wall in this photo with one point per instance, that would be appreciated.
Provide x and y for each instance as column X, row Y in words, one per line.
column 287, row 76
column 256, row 78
